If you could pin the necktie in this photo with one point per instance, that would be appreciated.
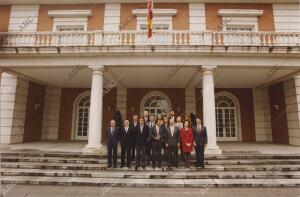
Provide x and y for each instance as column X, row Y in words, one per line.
column 112, row 131
column 126, row 129
column 172, row 131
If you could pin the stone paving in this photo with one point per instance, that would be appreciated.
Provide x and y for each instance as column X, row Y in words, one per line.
column 79, row 191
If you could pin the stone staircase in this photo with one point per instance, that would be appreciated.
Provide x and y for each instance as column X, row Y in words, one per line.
column 232, row 169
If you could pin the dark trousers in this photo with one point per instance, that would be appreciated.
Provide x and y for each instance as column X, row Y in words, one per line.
column 140, row 155
column 132, row 151
column 156, row 153
column 165, row 153
column 112, row 151
column 173, row 156
column 149, row 151
column 199, row 155
column 126, row 152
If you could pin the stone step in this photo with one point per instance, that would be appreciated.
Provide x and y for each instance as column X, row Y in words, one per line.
column 122, row 182
column 231, row 156
column 158, row 174
column 104, row 161
column 75, row 166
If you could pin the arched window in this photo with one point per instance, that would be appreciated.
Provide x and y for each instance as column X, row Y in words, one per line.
column 227, row 117
column 82, row 117
column 156, row 103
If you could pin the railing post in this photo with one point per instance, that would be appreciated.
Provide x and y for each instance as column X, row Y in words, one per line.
column 208, row 38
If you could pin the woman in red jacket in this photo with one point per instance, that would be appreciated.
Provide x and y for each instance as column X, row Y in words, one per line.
column 186, row 139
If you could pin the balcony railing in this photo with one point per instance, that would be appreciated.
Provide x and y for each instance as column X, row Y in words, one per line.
column 127, row 38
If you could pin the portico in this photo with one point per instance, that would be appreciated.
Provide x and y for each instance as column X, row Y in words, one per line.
column 96, row 103
column 228, row 85
column 188, row 87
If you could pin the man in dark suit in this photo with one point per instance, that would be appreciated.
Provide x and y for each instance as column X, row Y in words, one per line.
column 165, row 124
column 134, row 125
column 150, row 124
column 142, row 134
column 156, row 136
column 146, row 117
column 172, row 144
column 126, row 136
column 112, row 144
column 172, row 115
column 200, row 142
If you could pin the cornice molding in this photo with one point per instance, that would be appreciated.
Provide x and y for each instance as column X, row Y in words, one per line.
column 69, row 13
column 156, row 12
column 240, row 12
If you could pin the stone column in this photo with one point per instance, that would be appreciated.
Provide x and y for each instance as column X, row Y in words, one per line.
column 96, row 105
column 209, row 113
column 292, row 106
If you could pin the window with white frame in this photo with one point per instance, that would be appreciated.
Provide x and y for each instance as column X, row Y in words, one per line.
column 156, row 27
column 82, row 117
column 69, row 28
column 70, row 21
column 240, row 21
column 244, row 20
column 239, row 28
column 162, row 22
column 156, row 103
column 226, row 118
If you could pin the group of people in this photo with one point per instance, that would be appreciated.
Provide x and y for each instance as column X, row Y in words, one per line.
column 156, row 140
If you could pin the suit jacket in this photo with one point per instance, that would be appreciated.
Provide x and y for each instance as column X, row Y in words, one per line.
column 127, row 138
column 172, row 140
column 148, row 124
column 112, row 139
column 141, row 137
column 153, row 132
column 132, row 124
column 164, row 128
column 174, row 117
column 134, row 127
column 200, row 138
column 148, row 119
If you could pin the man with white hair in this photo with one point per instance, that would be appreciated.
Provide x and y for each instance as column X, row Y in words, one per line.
column 200, row 142
column 172, row 143
column 127, row 135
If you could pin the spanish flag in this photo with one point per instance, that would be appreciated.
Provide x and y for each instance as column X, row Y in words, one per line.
column 150, row 17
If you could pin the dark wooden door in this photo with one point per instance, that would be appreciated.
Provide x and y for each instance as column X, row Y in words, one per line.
column 278, row 114
column 34, row 113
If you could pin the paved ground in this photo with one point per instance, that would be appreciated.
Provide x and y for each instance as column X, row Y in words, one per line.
column 76, row 146
column 65, row 191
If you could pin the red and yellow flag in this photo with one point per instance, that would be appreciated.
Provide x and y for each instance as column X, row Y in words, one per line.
column 150, row 17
